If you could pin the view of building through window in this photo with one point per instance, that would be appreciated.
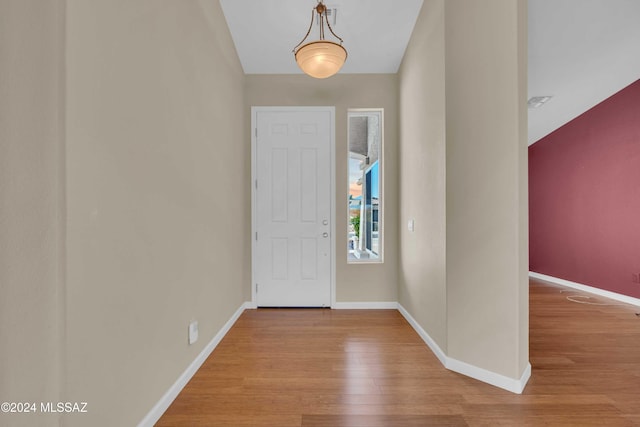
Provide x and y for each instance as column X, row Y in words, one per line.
column 365, row 185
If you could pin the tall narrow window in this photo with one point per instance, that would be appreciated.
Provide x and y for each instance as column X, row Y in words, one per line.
column 365, row 207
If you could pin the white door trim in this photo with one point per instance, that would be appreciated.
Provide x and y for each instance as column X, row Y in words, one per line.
column 332, row 186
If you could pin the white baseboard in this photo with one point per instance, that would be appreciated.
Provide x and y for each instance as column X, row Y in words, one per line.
column 498, row 380
column 489, row 377
column 250, row 305
column 382, row 305
column 435, row 348
column 159, row 408
column 589, row 289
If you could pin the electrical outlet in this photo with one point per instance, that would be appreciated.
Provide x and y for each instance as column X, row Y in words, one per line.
column 193, row 331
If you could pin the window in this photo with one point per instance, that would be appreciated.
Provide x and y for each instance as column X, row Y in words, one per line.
column 365, row 207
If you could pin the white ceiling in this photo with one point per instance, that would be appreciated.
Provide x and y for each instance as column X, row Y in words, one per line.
column 580, row 51
column 375, row 32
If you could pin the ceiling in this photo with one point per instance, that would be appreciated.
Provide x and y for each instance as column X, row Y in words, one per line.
column 580, row 51
column 376, row 32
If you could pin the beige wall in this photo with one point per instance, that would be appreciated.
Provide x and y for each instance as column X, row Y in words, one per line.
column 422, row 272
column 370, row 282
column 466, row 145
column 155, row 178
column 487, row 262
column 31, row 205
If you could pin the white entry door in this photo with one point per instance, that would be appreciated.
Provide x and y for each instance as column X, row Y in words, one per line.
column 292, row 206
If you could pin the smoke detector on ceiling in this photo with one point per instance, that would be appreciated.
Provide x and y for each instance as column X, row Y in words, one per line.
column 538, row 101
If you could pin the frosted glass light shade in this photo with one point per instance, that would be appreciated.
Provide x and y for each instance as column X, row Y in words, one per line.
column 321, row 59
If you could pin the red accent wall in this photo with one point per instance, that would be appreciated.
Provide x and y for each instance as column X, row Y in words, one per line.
column 584, row 197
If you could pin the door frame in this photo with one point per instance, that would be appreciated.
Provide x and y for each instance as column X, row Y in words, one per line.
column 332, row 188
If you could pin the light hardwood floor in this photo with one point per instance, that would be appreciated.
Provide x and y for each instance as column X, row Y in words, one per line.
column 331, row 368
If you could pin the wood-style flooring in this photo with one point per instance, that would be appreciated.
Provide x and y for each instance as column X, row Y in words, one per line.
column 369, row 368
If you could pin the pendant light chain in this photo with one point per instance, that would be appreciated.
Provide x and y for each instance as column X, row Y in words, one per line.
column 321, row 10
column 308, row 32
column 331, row 29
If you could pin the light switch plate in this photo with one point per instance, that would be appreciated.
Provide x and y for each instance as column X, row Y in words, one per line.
column 193, row 332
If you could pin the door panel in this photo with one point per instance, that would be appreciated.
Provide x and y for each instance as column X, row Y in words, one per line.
column 292, row 251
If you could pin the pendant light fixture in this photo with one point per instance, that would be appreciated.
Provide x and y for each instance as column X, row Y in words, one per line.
column 321, row 58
